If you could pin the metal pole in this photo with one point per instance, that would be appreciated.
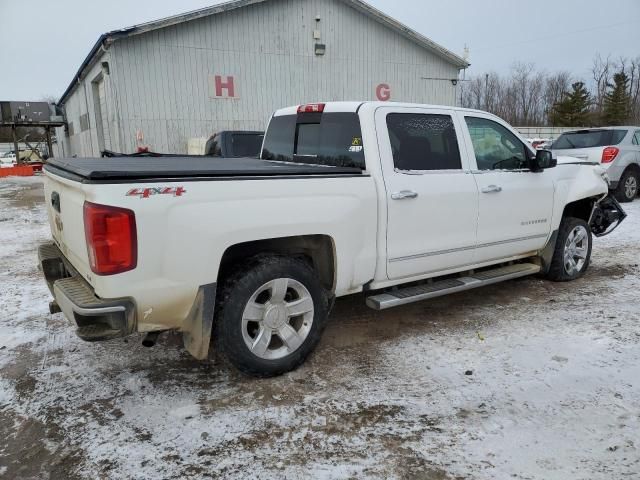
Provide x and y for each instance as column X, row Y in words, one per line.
column 15, row 144
column 49, row 145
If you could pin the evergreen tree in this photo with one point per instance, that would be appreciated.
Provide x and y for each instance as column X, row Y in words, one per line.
column 617, row 101
column 573, row 109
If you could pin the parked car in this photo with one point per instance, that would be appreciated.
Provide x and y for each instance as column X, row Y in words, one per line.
column 234, row 144
column 7, row 160
column 402, row 202
column 615, row 148
column 539, row 143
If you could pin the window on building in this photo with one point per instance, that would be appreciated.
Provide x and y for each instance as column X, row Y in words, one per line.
column 84, row 122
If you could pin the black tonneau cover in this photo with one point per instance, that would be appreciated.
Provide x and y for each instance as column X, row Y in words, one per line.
column 141, row 168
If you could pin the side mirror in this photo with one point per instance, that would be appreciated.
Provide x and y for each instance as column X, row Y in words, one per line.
column 543, row 160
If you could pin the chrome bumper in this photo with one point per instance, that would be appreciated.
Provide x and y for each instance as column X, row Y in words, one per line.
column 96, row 318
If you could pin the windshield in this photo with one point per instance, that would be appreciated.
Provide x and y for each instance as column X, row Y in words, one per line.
column 332, row 139
column 588, row 139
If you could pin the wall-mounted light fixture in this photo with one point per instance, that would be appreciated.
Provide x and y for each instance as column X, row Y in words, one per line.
column 454, row 81
column 320, row 49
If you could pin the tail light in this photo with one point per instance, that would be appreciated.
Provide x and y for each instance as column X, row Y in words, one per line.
column 609, row 154
column 311, row 108
column 111, row 236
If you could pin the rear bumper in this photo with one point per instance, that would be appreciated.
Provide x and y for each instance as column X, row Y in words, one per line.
column 96, row 318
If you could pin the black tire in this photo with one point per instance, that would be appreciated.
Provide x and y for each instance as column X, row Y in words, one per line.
column 622, row 193
column 234, row 296
column 559, row 272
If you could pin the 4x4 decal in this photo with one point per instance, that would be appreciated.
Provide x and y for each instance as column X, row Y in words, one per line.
column 148, row 192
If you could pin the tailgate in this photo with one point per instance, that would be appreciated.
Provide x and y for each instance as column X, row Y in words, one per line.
column 65, row 202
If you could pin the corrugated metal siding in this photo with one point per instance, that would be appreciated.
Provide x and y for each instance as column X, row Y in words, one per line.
column 80, row 103
column 160, row 81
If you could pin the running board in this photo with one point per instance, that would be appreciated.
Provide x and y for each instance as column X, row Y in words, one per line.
column 406, row 295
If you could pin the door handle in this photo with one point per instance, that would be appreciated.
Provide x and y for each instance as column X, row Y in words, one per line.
column 404, row 195
column 492, row 189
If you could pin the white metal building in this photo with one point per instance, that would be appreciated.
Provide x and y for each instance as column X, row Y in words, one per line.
column 229, row 66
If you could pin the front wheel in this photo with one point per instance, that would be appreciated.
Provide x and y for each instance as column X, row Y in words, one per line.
column 272, row 314
column 572, row 252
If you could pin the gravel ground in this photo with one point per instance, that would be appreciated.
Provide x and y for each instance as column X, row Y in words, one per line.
column 526, row 379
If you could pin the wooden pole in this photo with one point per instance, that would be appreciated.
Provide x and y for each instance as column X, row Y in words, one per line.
column 49, row 145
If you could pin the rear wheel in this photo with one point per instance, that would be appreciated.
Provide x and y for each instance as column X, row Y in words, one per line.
column 627, row 189
column 572, row 254
column 272, row 314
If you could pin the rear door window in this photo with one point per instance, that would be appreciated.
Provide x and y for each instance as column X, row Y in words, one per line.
column 332, row 139
column 588, row 139
column 423, row 142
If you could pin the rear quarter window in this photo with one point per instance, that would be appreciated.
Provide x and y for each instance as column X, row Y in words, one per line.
column 589, row 139
column 332, row 139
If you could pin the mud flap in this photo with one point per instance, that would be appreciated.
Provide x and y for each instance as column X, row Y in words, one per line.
column 196, row 332
column 606, row 217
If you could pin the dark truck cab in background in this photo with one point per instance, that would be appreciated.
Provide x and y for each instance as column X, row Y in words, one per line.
column 234, row 144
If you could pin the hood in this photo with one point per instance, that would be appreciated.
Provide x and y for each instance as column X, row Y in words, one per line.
column 574, row 160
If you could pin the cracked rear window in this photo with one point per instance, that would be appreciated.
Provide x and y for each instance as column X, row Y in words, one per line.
column 332, row 139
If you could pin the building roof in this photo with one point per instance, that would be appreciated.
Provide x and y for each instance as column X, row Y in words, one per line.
column 107, row 38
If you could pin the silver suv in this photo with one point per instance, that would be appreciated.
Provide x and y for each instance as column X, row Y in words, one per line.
column 615, row 148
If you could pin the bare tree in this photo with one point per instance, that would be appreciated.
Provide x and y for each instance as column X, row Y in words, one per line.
column 601, row 71
column 527, row 96
column 51, row 99
column 556, row 87
column 633, row 72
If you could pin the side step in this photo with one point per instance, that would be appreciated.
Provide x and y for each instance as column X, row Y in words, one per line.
column 406, row 295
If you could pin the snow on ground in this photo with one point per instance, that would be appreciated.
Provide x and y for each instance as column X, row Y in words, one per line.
column 526, row 379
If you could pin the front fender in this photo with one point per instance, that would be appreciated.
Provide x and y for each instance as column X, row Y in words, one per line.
column 575, row 182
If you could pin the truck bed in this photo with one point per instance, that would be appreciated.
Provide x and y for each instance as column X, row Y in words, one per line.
column 123, row 169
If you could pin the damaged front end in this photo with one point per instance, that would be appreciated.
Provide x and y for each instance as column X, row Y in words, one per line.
column 606, row 216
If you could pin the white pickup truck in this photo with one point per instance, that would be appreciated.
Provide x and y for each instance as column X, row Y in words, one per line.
column 404, row 202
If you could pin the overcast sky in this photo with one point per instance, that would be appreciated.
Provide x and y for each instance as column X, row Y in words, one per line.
column 43, row 42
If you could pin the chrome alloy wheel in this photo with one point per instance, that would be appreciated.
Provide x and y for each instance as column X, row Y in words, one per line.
column 277, row 318
column 631, row 187
column 576, row 250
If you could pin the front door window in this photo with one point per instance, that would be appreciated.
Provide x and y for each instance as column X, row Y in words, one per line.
column 496, row 148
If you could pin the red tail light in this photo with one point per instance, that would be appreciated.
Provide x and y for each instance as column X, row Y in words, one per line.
column 609, row 154
column 311, row 108
column 111, row 238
